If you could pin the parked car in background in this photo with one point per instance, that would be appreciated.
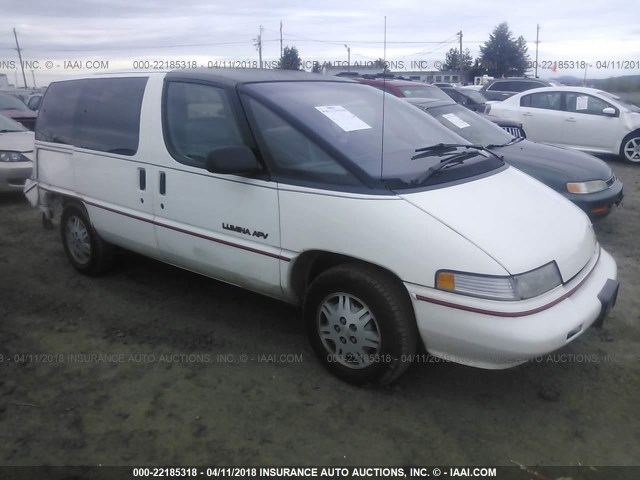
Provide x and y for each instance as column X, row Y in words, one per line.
column 13, row 108
column 404, row 88
column 502, row 88
column 583, row 179
column 387, row 228
column 471, row 99
column 16, row 155
column 512, row 128
column 33, row 102
column 577, row 117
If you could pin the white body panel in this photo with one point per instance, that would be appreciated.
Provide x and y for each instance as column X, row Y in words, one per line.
column 516, row 198
column 492, row 341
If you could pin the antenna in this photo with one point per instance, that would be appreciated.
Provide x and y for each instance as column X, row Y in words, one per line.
column 384, row 93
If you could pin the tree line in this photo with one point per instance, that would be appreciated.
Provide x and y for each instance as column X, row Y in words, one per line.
column 501, row 55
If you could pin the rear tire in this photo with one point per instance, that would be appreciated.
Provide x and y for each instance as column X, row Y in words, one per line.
column 630, row 148
column 87, row 252
column 361, row 324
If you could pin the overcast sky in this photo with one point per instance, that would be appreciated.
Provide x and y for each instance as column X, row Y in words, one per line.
column 122, row 31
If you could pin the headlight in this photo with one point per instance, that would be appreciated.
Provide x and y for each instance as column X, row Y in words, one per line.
column 13, row 157
column 515, row 287
column 587, row 187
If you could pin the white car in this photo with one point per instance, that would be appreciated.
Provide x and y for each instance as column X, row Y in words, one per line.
column 577, row 117
column 278, row 182
column 16, row 154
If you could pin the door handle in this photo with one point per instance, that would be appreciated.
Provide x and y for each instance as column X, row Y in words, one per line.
column 527, row 114
column 163, row 183
column 142, row 178
column 570, row 119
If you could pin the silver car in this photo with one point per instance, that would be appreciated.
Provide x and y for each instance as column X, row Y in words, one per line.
column 16, row 155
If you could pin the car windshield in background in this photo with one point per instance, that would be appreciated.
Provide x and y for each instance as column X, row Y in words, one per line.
column 470, row 125
column 349, row 118
column 473, row 95
column 7, row 102
column 8, row 125
column 420, row 91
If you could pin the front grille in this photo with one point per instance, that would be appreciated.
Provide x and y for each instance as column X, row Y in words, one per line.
column 515, row 131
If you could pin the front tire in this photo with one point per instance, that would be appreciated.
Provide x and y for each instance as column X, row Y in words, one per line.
column 630, row 148
column 87, row 252
column 361, row 324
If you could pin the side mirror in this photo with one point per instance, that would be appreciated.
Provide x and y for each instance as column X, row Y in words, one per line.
column 609, row 111
column 232, row 161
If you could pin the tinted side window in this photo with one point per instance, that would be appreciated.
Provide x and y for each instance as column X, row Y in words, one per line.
column 525, row 85
column 545, row 100
column 499, row 86
column 293, row 154
column 198, row 119
column 100, row 114
column 56, row 116
column 108, row 115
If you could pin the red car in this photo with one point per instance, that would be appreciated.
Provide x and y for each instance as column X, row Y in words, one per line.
column 15, row 109
column 405, row 88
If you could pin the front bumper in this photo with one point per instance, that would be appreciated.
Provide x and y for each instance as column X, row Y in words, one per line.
column 493, row 334
column 13, row 175
column 599, row 204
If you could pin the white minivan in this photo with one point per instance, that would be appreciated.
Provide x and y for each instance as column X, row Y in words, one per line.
column 384, row 226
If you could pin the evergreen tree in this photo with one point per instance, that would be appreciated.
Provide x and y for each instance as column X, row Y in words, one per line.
column 502, row 55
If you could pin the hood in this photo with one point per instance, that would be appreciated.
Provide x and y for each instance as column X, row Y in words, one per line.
column 14, row 113
column 554, row 166
column 22, row 142
column 516, row 220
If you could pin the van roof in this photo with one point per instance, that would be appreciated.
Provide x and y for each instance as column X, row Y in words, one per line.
column 227, row 76
column 234, row 76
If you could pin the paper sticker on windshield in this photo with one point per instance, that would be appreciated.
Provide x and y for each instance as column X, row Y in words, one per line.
column 456, row 120
column 342, row 117
column 582, row 103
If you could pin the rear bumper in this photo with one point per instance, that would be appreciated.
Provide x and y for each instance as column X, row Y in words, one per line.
column 493, row 334
column 600, row 204
column 13, row 175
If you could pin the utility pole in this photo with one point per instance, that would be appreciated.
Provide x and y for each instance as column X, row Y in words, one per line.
column 537, row 42
column 281, row 40
column 461, row 64
column 24, row 77
column 258, row 45
column 33, row 75
column 348, row 57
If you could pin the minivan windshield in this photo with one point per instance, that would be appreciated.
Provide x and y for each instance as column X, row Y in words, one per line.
column 349, row 117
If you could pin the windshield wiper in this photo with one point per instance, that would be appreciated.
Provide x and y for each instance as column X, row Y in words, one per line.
column 510, row 142
column 7, row 131
column 442, row 148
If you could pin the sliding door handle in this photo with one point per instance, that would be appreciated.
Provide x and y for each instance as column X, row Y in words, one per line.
column 163, row 183
column 142, row 178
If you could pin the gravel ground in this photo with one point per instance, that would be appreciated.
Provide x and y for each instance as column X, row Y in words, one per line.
column 150, row 364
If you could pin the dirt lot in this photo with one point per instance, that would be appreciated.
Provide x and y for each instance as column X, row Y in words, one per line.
column 153, row 365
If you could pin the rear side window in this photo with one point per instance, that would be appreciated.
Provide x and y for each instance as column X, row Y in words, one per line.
column 56, row 116
column 101, row 114
column 545, row 100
